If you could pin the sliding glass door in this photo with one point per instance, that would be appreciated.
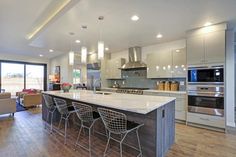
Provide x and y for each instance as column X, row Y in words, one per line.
column 12, row 77
column 34, row 76
column 16, row 76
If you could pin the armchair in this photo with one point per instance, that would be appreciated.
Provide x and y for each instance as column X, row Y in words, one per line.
column 29, row 98
column 7, row 104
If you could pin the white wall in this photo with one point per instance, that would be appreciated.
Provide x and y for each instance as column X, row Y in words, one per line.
column 66, row 69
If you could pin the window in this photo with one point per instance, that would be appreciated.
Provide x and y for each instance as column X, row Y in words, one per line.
column 34, row 76
column 12, row 77
column 76, row 76
column 16, row 76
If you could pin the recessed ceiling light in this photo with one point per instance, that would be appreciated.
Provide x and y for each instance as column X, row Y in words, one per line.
column 40, row 55
column 51, row 50
column 77, row 41
column 207, row 24
column 134, row 18
column 107, row 49
column 159, row 35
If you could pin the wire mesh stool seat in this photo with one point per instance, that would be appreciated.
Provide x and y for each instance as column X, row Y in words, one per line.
column 88, row 117
column 65, row 112
column 50, row 110
column 117, row 123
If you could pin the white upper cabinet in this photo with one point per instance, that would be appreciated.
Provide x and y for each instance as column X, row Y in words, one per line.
column 195, row 49
column 206, row 45
column 159, row 65
column 215, row 47
column 179, row 63
column 112, row 68
column 167, row 64
column 153, row 65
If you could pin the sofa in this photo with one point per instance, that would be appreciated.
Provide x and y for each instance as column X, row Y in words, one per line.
column 29, row 97
column 7, row 104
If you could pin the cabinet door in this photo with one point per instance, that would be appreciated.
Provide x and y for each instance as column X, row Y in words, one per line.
column 165, row 66
column 112, row 68
column 108, row 70
column 195, row 50
column 116, row 64
column 153, row 66
column 179, row 63
column 215, row 47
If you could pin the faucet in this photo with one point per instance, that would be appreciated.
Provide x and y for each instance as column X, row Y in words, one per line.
column 94, row 85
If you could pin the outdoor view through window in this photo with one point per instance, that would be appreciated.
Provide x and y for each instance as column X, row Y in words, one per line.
column 13, row 79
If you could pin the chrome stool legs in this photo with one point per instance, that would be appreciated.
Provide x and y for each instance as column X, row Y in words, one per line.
column 121, row 142
column 49, row 113
column 65, row 118
column 116, row 123
column 89, row 137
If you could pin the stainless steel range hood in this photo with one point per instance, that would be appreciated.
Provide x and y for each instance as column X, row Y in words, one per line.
column 135, row 59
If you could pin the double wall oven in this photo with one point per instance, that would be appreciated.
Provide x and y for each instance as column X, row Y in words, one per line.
column 206, row 90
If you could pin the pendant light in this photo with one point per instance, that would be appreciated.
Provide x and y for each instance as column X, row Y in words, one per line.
column 83, row 54
column 100, row 42
column 71, row 57
column 71, row 53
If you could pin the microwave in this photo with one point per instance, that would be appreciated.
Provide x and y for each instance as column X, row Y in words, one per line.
column 206, row 74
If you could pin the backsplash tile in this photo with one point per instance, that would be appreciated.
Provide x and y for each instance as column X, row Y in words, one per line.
column 138, row 79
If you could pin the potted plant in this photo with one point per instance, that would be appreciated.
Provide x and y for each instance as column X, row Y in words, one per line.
column 66, row 87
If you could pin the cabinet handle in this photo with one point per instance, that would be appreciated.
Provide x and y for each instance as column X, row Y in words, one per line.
column 163, row 113
column 204, row 119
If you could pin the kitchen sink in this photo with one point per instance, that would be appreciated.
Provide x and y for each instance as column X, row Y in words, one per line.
column 104, row 93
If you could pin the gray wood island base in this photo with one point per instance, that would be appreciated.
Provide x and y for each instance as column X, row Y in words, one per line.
column 158, row 133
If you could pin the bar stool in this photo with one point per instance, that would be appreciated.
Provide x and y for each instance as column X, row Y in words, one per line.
column 65, row 112
column 117, row 123
column 88, row 117
column 50, row 110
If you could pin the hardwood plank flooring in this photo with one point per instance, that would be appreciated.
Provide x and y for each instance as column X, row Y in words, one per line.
column 25, row 136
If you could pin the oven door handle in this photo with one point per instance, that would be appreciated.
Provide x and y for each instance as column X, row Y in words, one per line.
column 206, row 95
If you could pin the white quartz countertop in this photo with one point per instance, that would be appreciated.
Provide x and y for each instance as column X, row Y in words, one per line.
column 152, row 90
column 142, row 104
column 163, row 91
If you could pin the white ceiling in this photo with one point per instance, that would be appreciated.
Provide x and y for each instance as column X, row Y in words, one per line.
column 170, row 17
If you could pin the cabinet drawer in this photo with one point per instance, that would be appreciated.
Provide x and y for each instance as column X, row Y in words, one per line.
column 207, row 120
column 180, row 104
column 180, row 115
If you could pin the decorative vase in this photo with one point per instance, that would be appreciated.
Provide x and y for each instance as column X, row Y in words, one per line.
column 66, row 87
column 65, row 90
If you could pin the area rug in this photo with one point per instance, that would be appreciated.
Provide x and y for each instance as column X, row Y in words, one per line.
column 19, row 107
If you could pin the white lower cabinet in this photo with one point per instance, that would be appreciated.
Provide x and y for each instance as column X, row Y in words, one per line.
column 206, row 120
column 180, row 103
column 180, row 114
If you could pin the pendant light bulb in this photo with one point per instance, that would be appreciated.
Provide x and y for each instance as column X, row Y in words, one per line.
column 100, row 50
column 71, row 57
column 83, row 55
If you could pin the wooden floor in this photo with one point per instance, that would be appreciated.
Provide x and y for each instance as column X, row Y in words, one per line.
column 25, row 136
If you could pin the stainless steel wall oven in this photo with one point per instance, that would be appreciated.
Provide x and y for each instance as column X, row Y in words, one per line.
column 206, row 99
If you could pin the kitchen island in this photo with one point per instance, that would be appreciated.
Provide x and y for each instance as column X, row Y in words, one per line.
column 157, row 113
